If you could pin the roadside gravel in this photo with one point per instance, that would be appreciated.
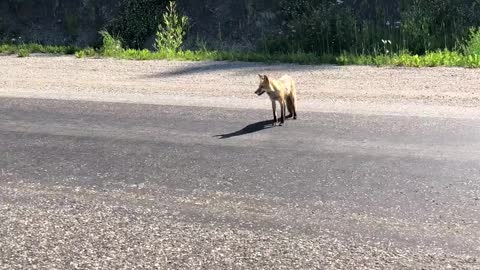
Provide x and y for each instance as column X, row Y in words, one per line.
column 445, row 92
column 138, row 228
column 50, row 225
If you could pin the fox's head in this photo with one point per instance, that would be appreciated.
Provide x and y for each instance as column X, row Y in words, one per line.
column 264, row 85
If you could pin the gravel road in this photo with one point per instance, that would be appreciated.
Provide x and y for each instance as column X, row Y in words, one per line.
column 109, row 164
column 448, row 92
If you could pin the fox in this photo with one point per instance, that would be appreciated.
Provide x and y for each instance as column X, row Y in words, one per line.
column 282, row 90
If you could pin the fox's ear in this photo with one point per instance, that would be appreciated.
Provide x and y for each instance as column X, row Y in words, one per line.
column 261, row 76
column 265, row 78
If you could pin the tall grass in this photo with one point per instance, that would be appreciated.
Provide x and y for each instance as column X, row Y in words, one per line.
column 358, row 27
column 385, row 57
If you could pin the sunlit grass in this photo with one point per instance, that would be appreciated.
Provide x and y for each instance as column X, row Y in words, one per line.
column 431, row 59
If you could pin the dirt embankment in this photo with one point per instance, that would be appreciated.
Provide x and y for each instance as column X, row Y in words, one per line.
column 451, row 92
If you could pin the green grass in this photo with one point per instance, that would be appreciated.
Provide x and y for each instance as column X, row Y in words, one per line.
column 87, row 52
column 431, row 59
column 23, row 53
column 26, row 49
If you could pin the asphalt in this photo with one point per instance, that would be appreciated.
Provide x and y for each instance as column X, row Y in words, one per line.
column 97, row 185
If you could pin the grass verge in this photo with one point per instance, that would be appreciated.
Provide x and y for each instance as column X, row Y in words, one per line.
column 36, row 48
column 431, row 59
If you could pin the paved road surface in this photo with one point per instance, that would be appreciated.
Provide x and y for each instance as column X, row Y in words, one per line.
column 123, row 186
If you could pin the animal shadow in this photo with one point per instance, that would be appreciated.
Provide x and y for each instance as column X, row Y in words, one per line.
column 248, row 129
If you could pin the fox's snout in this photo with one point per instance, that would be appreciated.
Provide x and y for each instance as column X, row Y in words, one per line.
column 259, row 91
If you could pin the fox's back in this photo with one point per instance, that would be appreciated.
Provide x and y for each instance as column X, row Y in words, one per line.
column 288, row 83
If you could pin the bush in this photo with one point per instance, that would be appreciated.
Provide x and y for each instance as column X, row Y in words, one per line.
column 23, row 52
column 323, row 27
column 7, row 49
column 358, row 27
column 172, row 31
column 473, row 43
column 136, row 21
column 112, row 47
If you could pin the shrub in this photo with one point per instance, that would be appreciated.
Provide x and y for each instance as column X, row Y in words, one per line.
column 172, row 31
column 112, row 47
column 7, row 49
column 23, row 52
column 316, row 26
column 136, row 21
column 357, row 27
column 473, row 43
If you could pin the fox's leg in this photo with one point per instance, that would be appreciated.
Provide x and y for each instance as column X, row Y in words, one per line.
column 289, row 107
column 283, row 109
column 274, row 109
column 294, row 99
column 294, row 106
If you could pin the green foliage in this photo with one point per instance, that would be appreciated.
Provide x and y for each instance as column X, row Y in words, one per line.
column 402, row 58
column 415, row 29
column 87, row 52
column 7, row 49
column 172, row 31
column 27, row 49
column 71, row 24
column 136, row 21
column 23, row 52
column 201, row 44
column 359, row 26
column 112, row 47
column 430, row 59
column 316, row 26
column 133, row 54
column 473, row 43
